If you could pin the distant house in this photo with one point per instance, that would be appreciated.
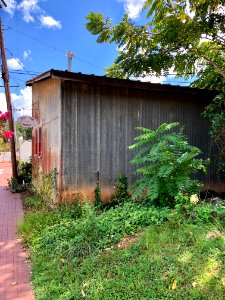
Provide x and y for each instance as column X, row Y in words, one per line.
column 86, row 123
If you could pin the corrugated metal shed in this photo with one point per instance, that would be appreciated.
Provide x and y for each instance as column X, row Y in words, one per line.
column 89, row 121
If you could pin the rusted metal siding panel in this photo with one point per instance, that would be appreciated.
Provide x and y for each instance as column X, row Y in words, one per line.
column 158, row 108
column 98, row 125
column 80, row 153
column 88, row 136
column 120, row 111
column 69, row 136
column 47, row 110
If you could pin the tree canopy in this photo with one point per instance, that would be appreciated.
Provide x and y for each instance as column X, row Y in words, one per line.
column 25, row 132
column 185, row 36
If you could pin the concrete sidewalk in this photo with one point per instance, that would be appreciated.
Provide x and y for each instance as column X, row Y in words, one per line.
column 15, row 270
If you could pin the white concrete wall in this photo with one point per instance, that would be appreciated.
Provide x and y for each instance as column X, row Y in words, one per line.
column 6, row 156
column 25, row 150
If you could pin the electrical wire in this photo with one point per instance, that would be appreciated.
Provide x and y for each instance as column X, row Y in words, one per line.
column 55, row 48
column 20, row 72
column 13, row 78
column 76, row 57
column 33, row 73
column 17, row 60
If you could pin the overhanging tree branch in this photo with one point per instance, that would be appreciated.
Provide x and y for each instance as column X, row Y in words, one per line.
column 213, row 64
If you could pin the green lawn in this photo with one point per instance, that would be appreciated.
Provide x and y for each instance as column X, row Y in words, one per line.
column 75, row 253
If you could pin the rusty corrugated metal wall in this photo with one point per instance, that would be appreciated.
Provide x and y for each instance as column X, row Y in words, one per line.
column 46, row 97
column 98, row 124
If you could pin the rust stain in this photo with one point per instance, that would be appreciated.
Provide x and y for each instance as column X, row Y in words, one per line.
column 86, row 193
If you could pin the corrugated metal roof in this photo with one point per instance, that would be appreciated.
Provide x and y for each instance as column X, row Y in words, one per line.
column 66, row 75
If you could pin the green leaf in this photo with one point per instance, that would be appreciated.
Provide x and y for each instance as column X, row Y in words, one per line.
column 165, row 165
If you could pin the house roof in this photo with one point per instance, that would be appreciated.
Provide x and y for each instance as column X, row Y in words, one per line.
column 103, row 80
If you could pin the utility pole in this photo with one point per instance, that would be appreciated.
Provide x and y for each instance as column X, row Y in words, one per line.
column 5, row 77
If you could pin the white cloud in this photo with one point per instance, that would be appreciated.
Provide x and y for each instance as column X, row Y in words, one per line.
column 27, row 54
column 3, row 106
column 29, row 8
column 152, row 79
column 21, row 103
column 156, row 79
column 14, row 64
column 11, row 7
column 133, row 7
column 31, row 12
column 48, row 21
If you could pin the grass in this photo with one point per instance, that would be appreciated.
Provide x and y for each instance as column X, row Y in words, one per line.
column 75, row 253
column 164, row 264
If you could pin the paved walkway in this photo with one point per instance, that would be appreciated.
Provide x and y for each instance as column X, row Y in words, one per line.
column 14, row 267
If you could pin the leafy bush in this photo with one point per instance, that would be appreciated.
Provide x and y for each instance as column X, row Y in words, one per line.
column 121, row 193
column 15, row 186
column 34, row 202
column 97, row 191
column 24, row 177
column 215, row 113
column 46, row 188
column 166, row 163
column 24, row 172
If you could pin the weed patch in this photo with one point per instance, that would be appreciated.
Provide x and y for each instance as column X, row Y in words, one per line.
column 130, row 251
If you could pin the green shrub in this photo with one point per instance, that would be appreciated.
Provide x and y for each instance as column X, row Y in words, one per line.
column 34, row 202
column 15, row 186
column 46, row 188
column 121, row 187
column 166, row 163
column 73, row 210
column 24, row 172
column 97, row 191
column 24, row 177
column 119, row 196
column 215, row 113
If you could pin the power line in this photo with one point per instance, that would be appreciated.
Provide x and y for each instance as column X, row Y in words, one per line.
column 4, row 3
column 76, row 57
column 17, row 60
column 33, row 73
column 13, row 78
column 20, row 72
column 55, row 48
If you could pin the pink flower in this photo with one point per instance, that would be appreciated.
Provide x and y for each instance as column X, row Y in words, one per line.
column 8, row 134
column 4, row 117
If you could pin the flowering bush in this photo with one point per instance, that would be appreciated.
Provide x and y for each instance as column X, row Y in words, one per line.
column 3, row 119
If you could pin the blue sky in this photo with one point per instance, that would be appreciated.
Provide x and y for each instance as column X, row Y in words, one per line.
column 38, row 33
